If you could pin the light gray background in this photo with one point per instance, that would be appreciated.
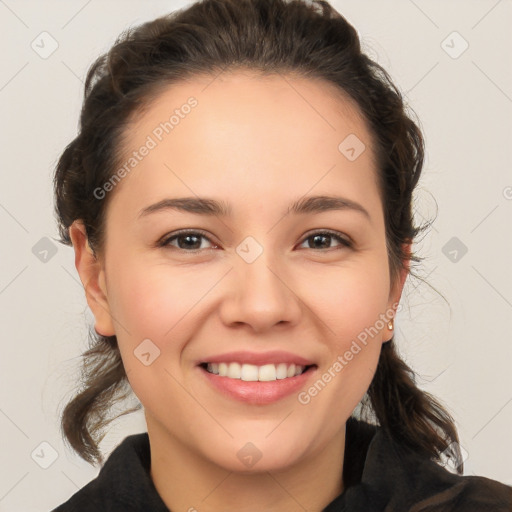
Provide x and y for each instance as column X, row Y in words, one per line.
column 461, row 352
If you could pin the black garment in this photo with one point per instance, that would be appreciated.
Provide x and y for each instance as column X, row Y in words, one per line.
column 379, row 476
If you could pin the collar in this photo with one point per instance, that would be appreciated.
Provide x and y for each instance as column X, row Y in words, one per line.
column 388, row 476
column 380, row 475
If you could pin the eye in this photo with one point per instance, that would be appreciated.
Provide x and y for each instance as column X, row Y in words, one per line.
column 323, row 238
column 189, row 241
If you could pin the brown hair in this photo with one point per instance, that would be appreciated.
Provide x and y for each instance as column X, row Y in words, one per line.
column 310, row 39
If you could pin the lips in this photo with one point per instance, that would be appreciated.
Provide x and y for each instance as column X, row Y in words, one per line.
column 234, row 375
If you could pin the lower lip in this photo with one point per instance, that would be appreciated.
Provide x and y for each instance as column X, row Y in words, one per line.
column 258, row 392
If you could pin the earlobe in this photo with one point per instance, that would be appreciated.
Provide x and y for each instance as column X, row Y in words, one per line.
column 92, row 275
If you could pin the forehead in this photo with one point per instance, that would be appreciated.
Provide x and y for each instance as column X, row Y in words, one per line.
column 247, row 131
column 249, row 101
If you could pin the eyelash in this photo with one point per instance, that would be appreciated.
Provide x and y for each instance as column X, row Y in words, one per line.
column 333, row 234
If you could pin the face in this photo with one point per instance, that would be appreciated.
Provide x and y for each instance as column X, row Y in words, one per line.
column 257, row 282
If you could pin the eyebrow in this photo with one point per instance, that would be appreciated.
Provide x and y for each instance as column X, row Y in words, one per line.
column 212, row 207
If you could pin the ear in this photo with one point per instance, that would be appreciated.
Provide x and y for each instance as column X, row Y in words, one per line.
column 398, row 286
column 92, row 275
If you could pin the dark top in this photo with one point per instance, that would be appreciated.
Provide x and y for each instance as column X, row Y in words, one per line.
column 379, row 475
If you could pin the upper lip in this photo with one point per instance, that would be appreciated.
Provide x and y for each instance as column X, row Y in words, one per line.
column 258, row 359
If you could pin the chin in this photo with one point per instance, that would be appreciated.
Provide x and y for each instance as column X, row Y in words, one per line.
column 259, row 455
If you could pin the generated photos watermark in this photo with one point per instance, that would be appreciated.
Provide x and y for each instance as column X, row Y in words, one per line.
column 304, row 397
column 152, row 140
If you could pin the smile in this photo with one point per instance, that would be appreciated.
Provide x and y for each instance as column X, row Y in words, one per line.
column 254, row 373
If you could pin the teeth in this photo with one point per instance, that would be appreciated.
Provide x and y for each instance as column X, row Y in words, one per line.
column 253, row 373
column 223, row 369
column 249, row 373
column 267, row 373
column 281, row 371
column 213, row 368
column 234, row 371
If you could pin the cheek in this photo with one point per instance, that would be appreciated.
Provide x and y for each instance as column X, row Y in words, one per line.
column 151, row 300
column 159, row 302
column 150, row 312
column 353, row 342
column 350, row 301
column 144, row 307
column 352, row 311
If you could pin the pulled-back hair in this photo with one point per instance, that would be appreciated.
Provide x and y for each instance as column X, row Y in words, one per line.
column 307, row 39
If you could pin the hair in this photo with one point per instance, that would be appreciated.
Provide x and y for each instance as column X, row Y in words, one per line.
column 308, row 39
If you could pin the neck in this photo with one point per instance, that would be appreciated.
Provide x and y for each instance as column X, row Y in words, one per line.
column 187, row 481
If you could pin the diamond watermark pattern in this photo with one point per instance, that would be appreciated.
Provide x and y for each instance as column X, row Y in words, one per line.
column 454, row 45
column 44, row 250
column 351, row 147
column 249, row 455
column 249, row 249
column 450, row 459
column 146, row 352
column 454, row 249
column 44, row 45
column 44, row 455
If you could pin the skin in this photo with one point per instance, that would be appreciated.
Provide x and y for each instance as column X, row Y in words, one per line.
column 257, row 143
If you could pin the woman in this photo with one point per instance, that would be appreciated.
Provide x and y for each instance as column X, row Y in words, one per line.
column 239, row 203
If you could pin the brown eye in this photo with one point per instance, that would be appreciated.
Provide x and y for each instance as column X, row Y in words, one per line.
column 323, row 240
column 188, row 241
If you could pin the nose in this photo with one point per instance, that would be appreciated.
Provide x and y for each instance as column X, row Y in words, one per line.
column 260, row 295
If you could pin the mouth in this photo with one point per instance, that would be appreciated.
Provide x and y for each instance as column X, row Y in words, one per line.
column 255, row 373
column 257, row 378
